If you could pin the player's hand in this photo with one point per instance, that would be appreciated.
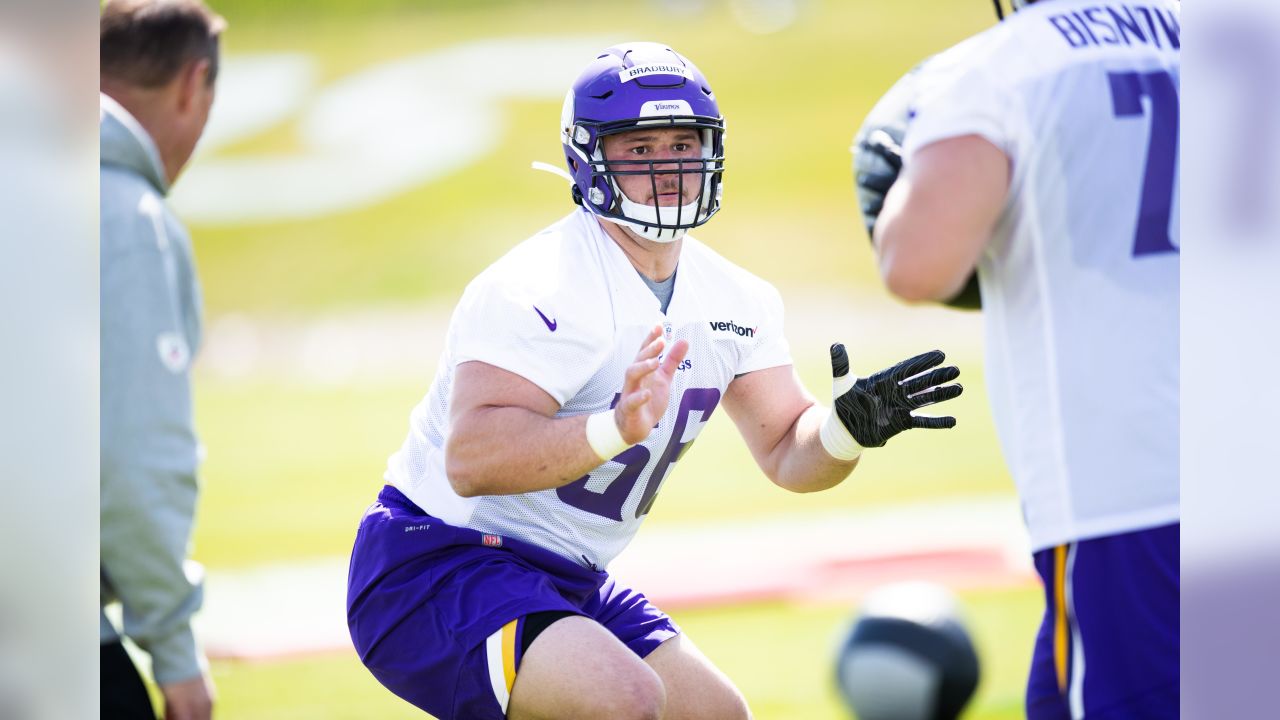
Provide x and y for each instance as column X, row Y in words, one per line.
column 646, row 387
column 188, row 699
column 878, row 163
column 878, row 407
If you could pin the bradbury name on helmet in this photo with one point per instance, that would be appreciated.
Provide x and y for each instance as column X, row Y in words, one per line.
column 642, row 70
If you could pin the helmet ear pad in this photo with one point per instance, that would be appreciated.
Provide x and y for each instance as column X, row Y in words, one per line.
column 583, row 151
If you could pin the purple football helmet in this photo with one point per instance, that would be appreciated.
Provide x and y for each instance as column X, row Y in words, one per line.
column 642, row 85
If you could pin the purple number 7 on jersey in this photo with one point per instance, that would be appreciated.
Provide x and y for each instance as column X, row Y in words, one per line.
column 608, row 502
column 1155, row 209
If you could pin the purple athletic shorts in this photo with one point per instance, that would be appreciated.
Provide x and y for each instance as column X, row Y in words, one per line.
column 1108, row 646
column 436, row 611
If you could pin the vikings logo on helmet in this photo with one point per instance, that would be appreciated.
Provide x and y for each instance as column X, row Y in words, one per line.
column 641, row 85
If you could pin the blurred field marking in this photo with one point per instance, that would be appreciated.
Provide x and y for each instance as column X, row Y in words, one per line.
column 399, row 344
column 371, row 135
column 765, row 17
column 256, row 92
column 282, row 610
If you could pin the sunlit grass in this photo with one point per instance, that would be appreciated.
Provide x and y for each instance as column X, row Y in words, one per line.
column 291, row 466
column 781, row 654
column 792, row 102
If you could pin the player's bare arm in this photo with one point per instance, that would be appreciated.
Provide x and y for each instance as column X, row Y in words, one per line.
column 803, row 446
column 938, row 216
column 780, row 420
column 507, row 440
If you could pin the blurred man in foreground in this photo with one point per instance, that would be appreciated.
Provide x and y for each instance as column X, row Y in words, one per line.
column 1043, row 153
column 159, row 61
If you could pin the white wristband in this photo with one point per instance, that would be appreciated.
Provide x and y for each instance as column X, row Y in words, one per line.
column 603, row 435
column 836, row 439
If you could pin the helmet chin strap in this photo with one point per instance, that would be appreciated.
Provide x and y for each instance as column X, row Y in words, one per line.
column 663, row 215
column 652, row 234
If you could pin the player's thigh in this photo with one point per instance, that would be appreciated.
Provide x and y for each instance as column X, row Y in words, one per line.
column 695, row 687
column 577, row 670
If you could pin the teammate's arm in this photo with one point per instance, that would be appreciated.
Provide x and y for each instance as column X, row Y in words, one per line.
column 505, row 438
column 938, row 217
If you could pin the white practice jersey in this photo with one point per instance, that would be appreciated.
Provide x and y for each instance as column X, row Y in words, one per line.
column 567, row 311
column 1080, row 280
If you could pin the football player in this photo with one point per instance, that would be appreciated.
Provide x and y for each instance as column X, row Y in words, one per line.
column 1043, row 153
column 577, row 371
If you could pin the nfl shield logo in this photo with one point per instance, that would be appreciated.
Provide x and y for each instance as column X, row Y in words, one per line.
column 174, row 354
column 492, row 540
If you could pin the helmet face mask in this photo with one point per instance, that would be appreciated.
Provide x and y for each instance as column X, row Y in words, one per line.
column 643, row 86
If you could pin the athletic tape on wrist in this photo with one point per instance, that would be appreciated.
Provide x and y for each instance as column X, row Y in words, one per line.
column 603, row 435
column 836, row 439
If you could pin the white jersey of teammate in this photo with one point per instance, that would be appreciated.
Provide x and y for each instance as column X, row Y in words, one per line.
column 567, row 311
column 1080, row 280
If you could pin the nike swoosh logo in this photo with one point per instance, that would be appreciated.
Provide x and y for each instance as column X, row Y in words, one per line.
column 551, row 324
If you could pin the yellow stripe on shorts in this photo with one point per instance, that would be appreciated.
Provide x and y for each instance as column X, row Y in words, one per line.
column 1060, row 615
column 509, row 653
column 500, row 656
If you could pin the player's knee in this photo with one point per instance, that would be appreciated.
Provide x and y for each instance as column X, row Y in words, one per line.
column 725, row 703
column 639, row 696
column 736, row 707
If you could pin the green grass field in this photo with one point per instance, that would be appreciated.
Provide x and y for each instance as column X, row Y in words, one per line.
column 792, row 100
column 780, row 654
column 276, row 444
column 321, row 453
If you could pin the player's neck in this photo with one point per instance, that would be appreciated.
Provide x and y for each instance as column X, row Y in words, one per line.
column 656, row 261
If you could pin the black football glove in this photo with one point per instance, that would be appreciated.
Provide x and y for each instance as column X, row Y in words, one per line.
column 878, row 163
column 874, row 409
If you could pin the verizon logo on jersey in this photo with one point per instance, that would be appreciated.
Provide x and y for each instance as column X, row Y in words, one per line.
column 734, row 328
